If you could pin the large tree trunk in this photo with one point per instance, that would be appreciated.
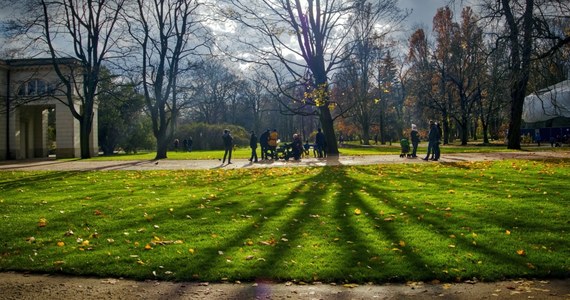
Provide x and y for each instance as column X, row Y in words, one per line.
column 161, row 146
column 84, row 133
column 514, row 138
column 328, row 129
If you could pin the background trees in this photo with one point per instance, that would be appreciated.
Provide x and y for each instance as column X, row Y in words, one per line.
column 297, row 65
column 308, row 40
column 166, row 33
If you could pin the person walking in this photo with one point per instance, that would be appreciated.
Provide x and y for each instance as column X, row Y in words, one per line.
column 228, row 146
column 436, row 149
column 263, row 142
column 320, row 142
column 253, row 146
column 415, row 138
column 432, row 139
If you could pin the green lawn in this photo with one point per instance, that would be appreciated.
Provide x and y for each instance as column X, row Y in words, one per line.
column 380, row 223
column 349, row 149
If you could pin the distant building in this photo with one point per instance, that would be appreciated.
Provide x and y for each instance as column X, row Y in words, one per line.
column 29, row 90
column 546, row 113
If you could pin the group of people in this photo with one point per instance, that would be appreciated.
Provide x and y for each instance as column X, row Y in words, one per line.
column 434, row 140
column 268, row 141
column 186, row 144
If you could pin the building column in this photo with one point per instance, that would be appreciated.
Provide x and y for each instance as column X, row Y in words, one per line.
column 40, row 124
column 67, row 133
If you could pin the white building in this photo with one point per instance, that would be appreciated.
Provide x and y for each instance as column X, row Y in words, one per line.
column 28, row 89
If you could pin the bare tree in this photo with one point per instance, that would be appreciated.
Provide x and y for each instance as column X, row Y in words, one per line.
column 363, row 68
column 167, row 34
column 320, row 30
column 215, row 89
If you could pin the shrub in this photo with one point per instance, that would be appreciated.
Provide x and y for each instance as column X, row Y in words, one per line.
column 209, row 136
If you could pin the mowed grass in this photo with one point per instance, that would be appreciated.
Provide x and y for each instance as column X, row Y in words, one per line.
column 347, row 149
column 380, row 223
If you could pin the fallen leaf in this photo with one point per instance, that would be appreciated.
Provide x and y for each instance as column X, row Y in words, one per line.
column 147, row 247
column 357, row 212
column 521, row 252
column 191, row 250
column 60, row 244
column 42, row 222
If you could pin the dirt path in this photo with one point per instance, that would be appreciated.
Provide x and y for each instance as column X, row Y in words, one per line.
column 33, row 287
column 37, row 286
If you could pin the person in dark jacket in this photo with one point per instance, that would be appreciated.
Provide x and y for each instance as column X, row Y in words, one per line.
column 320, row 142
column 253, row 146
column 432, row 139
column 415, row 138
column 436, row 149
column 263, row 142
column 228, row 146
column 297, row 146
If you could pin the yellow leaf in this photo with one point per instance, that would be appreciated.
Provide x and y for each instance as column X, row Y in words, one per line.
column 508, row 232
column 42, row 222
column 451, row 246
column 60, row 244
column 357, row 212
column 147, row 247
column 191, row 250
column 451, row 191
column 85, row 243
column 521, row 252
column 402, row 244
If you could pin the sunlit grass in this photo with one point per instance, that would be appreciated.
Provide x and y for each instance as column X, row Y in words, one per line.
column 488, row 220
column 347, row 149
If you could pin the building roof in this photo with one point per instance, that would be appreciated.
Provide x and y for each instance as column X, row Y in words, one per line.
column 548, row 103
column 37, row 61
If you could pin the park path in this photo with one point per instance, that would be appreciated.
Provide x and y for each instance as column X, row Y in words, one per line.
column 166, row 164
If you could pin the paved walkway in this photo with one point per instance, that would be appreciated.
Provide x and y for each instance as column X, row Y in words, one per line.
column 166, row 164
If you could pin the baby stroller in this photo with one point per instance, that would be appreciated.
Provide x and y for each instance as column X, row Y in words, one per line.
column 405, row 144
column 284, row 151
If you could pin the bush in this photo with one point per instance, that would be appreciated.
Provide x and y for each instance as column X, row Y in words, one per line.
column 209, row 136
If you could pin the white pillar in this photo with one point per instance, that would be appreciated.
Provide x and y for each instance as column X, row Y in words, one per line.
column 67, row 133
